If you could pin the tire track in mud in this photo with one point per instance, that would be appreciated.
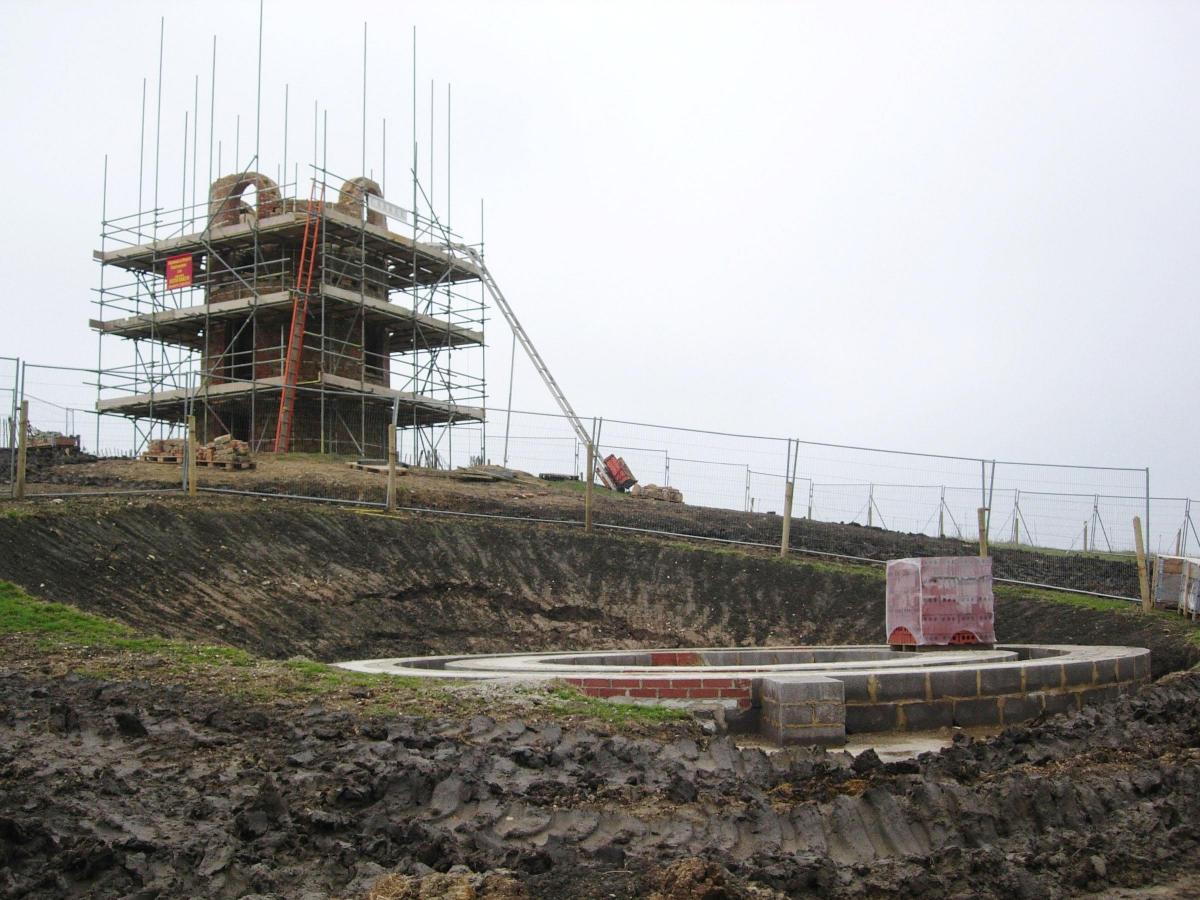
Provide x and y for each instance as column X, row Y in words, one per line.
column 119, row 788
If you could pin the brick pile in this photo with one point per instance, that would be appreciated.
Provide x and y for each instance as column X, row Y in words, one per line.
column 224, row 449
column 165, row 447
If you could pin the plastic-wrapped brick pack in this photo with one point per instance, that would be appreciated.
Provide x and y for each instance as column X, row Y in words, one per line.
column 940, row 601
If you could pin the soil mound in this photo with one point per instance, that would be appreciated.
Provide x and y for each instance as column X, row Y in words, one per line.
column 282, row 579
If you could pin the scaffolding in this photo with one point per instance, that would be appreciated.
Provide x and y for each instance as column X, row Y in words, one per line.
column 206, row 298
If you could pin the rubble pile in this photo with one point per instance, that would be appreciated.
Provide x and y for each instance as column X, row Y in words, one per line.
column 655, row 492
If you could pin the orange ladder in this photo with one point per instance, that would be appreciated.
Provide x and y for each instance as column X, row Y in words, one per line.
column 291, row 361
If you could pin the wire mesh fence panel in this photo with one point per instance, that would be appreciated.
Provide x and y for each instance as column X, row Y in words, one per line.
column 9, row 415
column 730, row 486
column 62, row 401
column 1056, row 525
column 1067, row 526
column 880, row 505
column 536, row 443
column 1174, row 526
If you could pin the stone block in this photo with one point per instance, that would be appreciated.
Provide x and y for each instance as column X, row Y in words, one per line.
column 855, row 688
column 900, row 686
column 796, row 707
column 1056, row 702
column 1043, row 675
column 997, row 681
column 829, row 713
column 801, row 688
column 867, row 717
column 977, row 711
column 1106, row 671
column 805, row 735
column 927, row 716
column 1018, row 708
column 957, row 682
column 1078, row 673
column 795, row 714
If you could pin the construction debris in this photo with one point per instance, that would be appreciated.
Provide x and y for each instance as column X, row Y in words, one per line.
column 222, row 453
column 655, row 492
column 225, row 453
column 622, row 479
column 56, row 441
column 165, row 450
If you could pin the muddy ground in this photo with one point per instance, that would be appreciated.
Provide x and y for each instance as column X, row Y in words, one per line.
column 530, row 498
column 126, row 789
column 284, row 578
column 144, row 783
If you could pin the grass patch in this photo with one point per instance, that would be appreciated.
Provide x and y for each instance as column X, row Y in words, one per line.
column 101, row 648
column 57, row 625
column 571, row 701
column 20, row 613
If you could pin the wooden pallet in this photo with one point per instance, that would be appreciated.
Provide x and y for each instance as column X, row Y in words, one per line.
column 226, row 464
column 161, row 458
column 377, row 468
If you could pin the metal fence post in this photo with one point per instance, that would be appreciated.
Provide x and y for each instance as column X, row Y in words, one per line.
column 589, row 477
column 22, row 449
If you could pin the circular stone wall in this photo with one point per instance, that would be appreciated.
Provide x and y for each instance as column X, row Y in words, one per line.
column 819, row 694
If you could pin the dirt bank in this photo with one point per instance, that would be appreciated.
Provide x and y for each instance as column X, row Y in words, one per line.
column 281, row 579
column 308, row 476
column 126, row 789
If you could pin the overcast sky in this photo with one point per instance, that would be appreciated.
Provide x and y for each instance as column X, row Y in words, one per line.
column 968, row 228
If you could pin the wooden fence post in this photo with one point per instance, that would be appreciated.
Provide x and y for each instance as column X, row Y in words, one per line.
column 983, row 535
column 391, row 472
column 1143, row 576
column 22, row 448
column 189, row 459
column 789, row 490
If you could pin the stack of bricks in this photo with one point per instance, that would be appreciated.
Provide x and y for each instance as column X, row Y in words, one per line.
column 172, row 448
column 939, row 601
column 224, row 449
column 804, row 710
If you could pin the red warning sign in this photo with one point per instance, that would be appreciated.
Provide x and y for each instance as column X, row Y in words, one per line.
column 179, row 271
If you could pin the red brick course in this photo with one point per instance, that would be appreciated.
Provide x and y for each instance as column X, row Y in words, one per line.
column 667, row 688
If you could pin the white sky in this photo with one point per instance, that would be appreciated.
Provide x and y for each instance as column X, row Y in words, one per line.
column 959, row 227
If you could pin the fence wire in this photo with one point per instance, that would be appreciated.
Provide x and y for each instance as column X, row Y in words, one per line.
column 1064, row 526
